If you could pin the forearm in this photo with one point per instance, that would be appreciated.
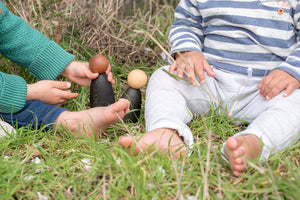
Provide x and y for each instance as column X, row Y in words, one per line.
column 186, row 32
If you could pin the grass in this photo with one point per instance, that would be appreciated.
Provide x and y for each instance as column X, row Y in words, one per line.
column 36, row 164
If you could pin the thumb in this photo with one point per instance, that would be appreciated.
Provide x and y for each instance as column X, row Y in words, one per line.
column 91, row 75
column 290, row 88
column 209, row 70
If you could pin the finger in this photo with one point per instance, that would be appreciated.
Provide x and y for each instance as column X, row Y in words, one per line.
column 179, row 71
column 274, row 88
column 61, row 84
column 109, row 75
column 273, row 93
column 200, row 73
column 190, row 71
column 67, row 94
column 180, row 66
column 209, row 69
column 173, row 67
column 263, row 87
column 291, row 87
column 110, row 78
column 91, row 75
column 108, row 69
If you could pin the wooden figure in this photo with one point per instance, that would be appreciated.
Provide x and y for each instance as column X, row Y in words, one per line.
column 101, row 91
column 136, row 80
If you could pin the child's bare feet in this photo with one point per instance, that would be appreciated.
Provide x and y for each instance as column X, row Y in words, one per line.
column 92, row 121
column 163, row 140
column 239, row 149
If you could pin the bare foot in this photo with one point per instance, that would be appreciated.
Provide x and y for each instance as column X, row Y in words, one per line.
column 163, row 140
column 239, row 149
column 92, row 121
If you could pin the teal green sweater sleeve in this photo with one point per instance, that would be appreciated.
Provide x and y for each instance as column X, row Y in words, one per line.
column 13, row 93
column 28, row 47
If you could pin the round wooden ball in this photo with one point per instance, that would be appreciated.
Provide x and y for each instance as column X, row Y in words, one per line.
column 98, row 64
column 137, row 79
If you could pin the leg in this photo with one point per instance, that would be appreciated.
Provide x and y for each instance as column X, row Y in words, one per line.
column 92, row 121
column 167, row 111
column 37, row 114
column 274, row 123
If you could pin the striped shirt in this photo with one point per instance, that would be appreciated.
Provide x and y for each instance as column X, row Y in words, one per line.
column 240, row 35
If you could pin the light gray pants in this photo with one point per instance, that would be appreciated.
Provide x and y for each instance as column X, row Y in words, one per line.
column 172, row 103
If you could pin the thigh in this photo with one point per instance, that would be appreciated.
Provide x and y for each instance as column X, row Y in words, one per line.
column 173, row 100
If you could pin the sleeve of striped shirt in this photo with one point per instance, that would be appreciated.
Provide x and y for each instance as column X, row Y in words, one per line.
column 186, row 32
column 292, row 63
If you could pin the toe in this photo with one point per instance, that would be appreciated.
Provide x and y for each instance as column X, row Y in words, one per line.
column 232, row 144
column 239, row 161
column 126, row 141
column 237, row 173
column 239, row 168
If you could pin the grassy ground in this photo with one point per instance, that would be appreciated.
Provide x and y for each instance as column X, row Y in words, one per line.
column 45, row 165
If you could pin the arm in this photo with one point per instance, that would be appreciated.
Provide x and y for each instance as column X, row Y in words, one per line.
column 28, row 47
column 44, row 59
column 186, row 41
column 186, row 33
column 287, row 75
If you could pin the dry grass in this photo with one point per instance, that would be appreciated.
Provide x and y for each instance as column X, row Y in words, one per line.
column 101, row 26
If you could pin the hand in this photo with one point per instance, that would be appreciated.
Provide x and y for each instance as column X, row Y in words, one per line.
column 80, row 73
column 191, row 62
column 50, row 92
column 277, row 81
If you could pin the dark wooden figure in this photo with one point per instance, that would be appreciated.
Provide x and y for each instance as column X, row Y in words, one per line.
column 101, row 92
column 135, row 98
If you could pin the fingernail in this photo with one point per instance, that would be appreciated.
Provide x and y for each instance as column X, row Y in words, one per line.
column 284, row 94
column 68, row 84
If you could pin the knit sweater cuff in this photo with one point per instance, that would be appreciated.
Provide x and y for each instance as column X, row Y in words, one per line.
column 13, row 93
column 51, row 62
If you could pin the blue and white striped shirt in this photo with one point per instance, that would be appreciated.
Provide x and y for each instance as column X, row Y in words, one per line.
column 238, row 35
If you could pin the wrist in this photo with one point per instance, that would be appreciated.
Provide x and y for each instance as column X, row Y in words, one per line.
column 30, row 92
column 181, row 53
column 66, row 73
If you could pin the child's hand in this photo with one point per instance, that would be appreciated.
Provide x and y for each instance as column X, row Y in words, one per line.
column 50, row 92
column 277, row 81
column 80, row 73
column 191, row 62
